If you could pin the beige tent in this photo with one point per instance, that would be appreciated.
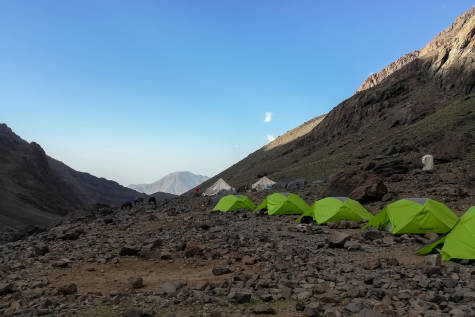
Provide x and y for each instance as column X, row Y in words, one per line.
column 263, row 183
column 220, row 185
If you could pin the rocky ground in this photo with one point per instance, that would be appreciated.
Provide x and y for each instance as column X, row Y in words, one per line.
column 182, row 259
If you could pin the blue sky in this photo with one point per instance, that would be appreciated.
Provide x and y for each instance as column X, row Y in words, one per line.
column 133, row 90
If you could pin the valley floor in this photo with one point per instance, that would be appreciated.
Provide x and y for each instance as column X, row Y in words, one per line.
column 181, row 259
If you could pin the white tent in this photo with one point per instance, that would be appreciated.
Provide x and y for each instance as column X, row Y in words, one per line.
column 217, row 187
column 263, row 183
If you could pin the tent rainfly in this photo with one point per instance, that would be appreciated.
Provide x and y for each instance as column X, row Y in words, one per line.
column 283, row 204
column 234, row 202
column 414, row 215
column 334, row 209
column 263, row 183
column 217, row 187
column 459, row 243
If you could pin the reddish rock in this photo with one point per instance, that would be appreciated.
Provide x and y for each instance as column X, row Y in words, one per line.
column 371, row 264
column 192, row 249
column 359, row 185
column 68, row 289
column 247, row 260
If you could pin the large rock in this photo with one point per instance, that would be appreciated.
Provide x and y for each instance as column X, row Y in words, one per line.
column 221, row 270
column 135, row 282
column 6, row 288
column 372, row 234
column 129, row 251
column 397, row 166
column 239, row 296
column 337, row 239
column 296, row 184
column 433, row 260
column 193, row 249
column 68, row 289
column 371, row 264
column 314, row 309
column 263, row 310
column 359, row 185
column 168, row 289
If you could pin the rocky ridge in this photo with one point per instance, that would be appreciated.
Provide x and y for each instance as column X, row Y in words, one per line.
column 420, row 104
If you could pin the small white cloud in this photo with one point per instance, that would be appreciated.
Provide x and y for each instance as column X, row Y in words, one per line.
column 268, row 117
column 270, row 138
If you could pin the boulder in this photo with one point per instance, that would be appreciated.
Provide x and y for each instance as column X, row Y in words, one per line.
column 239, row 296
column 433, row 260
column 193, row 249
column 337, row 239
column 359, row 185
column 135, row 282
column 313, row 309
column 431, row 270
column 247, row 260
column 371, row 264
column 6, row 288
column 133, row 312
column 168, row 289
column 263, row 310
column 397, row 166
column 68, row 289
column 220, row 270
column 372, row 234
column 129, row 251
column 296, row 184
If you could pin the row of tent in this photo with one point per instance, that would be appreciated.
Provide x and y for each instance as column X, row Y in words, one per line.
column 221, row 185
column 405, row 216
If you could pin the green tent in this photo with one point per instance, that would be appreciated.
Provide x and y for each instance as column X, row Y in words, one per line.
column 414, row 215
column 334, row 209
column 283, row 204
column 234, row 202
column 459, row 243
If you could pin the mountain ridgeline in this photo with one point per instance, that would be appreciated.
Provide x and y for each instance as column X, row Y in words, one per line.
column 37, row 190
column 175, row 183
column 422, row 103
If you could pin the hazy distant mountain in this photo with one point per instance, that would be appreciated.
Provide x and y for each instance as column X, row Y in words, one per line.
column 175, row 183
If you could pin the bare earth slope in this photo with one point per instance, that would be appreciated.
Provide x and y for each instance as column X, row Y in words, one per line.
column 37, row 190
column 422, row 103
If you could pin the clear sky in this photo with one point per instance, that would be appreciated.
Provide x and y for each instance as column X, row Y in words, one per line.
column 134, row 90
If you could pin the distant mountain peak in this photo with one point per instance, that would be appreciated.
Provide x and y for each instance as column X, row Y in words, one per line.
column 175, row 183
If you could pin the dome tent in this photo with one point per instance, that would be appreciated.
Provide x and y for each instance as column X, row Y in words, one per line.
column 414, row 215
column 335, row 209
column 283, row 204
column 459, row 243
column 234, row 202
column 217, row 187
column 262, row 184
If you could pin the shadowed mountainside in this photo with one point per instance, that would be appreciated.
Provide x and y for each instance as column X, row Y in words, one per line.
column 38, row 190
column 422, row 103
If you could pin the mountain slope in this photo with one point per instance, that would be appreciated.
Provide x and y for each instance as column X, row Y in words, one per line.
column 38, row 190
column 422, row 103
column 175, row 183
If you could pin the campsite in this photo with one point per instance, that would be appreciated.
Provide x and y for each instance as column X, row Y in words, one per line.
column 237, row 158
column 234, row 258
